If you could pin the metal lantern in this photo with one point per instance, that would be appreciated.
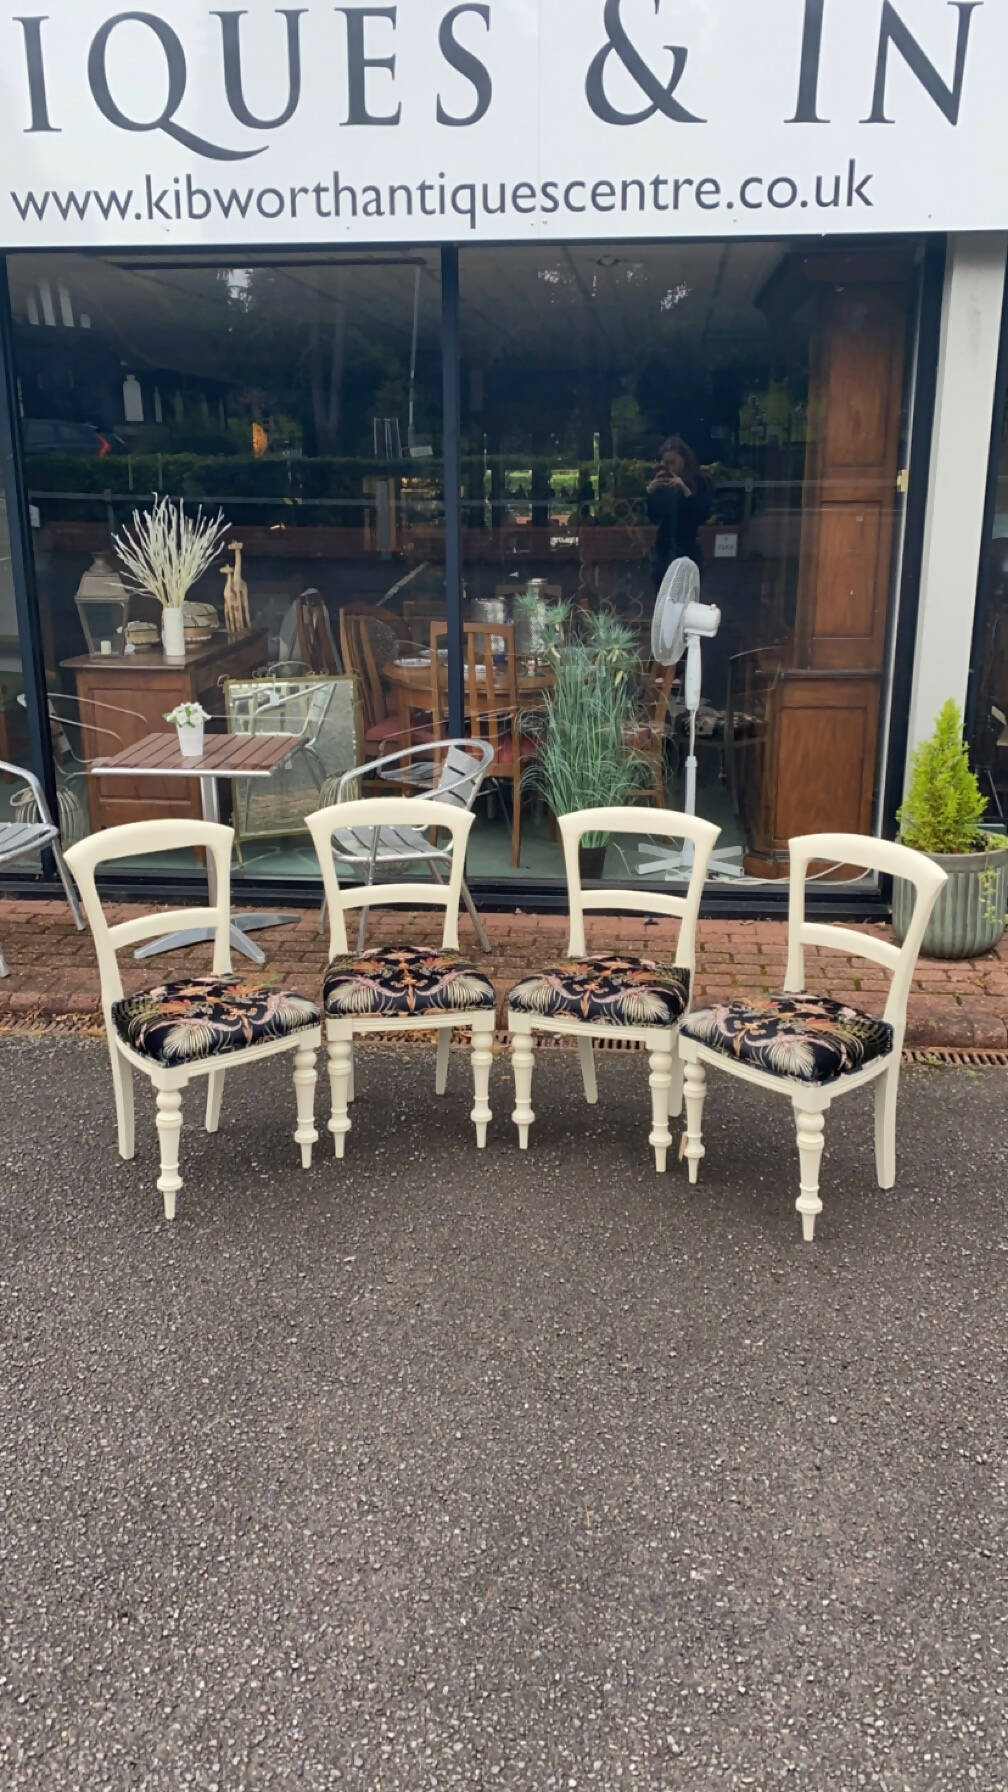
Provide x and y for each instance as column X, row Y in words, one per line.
column 103, row 604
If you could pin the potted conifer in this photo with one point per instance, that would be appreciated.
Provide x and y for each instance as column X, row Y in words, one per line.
column 941, row 816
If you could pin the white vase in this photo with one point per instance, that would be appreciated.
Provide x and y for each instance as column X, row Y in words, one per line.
column 173, row 633
column 190, row 739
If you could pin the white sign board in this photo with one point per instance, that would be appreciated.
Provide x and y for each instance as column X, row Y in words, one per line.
column 183, row 122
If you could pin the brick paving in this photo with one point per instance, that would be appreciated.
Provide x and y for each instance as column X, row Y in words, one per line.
column 963, row 1005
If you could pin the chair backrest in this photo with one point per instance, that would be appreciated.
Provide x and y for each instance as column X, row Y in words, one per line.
column 655, row 823
column 389, row 812
column 313, row 639
column 870, row 855
column 82, row 723
column 491, row 680
column 145, row 837
column 368, row 641
column 444, row 771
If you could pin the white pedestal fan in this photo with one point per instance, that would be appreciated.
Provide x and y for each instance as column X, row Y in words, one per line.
column 679, row 624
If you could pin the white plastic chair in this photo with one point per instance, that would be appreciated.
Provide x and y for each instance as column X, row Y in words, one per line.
column 180, row 1030
column 19, row 838
column 604, row 996
column 787, row 1051
column 410, row 989
column 447, row 771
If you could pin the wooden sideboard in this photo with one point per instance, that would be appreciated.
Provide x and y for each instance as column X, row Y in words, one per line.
column 138, row 689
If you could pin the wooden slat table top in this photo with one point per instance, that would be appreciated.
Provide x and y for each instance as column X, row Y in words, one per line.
column 223, row 756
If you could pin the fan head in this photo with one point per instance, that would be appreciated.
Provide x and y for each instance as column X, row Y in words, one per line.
column 678, row 613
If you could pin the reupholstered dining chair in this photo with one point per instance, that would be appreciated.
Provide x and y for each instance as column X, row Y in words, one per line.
column 400, row 989
column 607, row 996
column 809, row 1048
column 190, row 1026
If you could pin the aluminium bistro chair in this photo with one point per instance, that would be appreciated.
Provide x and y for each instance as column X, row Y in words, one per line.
column 195, row 1026
column 810, row 1048
column 448, row 771
column 400, row 989
column 602, row 996
column 19, row 838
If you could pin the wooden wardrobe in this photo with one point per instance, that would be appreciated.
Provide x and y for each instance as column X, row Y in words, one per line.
column 818, row 691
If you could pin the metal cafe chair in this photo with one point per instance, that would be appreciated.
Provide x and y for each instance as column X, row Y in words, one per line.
column 400, row 989
column 193, row 1026
column 20, row 838
column 448, row 771
column 615, row 996
column 810, row 1048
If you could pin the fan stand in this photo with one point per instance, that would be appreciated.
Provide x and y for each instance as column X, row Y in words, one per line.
column 670, row 864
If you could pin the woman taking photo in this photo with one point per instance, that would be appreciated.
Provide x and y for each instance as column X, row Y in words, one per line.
column 678, row 500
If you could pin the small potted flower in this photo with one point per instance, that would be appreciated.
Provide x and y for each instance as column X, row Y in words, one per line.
column 188, row 719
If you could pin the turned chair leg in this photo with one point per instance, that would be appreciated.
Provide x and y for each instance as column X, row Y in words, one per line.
column 340, row 1056
column 660, row 1060
column 886, row 1088
column 214, row 1097
column 482, row 1058
column 586, row 1053
column 305, row 1078
column 522, row 1061
column 809, row 1130
column 441, row 1065
column 122, row 1083
column 676, row 1091
column 695, row 1078
column 169, row 1125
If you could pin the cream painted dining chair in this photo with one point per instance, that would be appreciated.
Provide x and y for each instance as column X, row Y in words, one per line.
column 607, row 996
column 193, row 1026
column 810, row 1048
column 400, row 989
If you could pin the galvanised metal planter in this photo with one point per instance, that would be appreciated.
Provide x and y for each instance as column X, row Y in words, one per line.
column 969, row 915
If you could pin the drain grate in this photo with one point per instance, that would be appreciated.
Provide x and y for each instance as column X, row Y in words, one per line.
column 963, row 1056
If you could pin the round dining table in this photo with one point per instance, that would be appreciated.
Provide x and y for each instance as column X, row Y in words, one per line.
column 408, row 683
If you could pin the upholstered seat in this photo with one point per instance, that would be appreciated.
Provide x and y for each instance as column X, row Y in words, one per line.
column 400, row 980
column 811, row 1039
column 622, row 991
column 207, row 1017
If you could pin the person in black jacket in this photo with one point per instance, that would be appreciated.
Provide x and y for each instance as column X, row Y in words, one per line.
column 678, row 500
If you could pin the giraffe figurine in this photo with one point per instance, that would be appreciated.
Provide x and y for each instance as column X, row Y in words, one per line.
column 236, row 606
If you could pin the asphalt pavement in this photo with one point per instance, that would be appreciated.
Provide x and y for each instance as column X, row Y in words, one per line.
column 445, row 1469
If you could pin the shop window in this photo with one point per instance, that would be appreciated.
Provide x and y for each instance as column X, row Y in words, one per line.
column 990, row 695
column 301, row 400
column 780, row 374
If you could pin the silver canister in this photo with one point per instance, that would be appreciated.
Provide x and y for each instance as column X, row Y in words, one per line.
column 530, row 621
column 490, row 610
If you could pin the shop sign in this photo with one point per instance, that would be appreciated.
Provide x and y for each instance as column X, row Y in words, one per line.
column 424, row 121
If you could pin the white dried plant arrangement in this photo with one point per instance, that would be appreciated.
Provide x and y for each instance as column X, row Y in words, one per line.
column 163, row 552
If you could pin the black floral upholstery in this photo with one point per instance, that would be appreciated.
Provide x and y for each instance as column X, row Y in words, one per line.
column 400, row 980
column 810, row 1038
column 207, row 1017
column 623, row 991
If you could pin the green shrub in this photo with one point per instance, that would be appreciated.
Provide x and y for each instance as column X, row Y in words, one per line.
column 943, row 807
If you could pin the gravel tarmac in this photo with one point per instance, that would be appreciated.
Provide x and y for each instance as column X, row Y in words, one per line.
column 445, row 1470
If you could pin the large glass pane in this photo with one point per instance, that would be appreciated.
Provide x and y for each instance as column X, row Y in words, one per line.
column 301, row 400
column 990, row 707
column 739, row 407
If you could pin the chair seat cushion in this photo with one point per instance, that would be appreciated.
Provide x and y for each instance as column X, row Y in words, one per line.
column 207, row 1017
column 623, row 991
column 386, row 729
column 528, row 746
column 401, row 980
column 809, row 1038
